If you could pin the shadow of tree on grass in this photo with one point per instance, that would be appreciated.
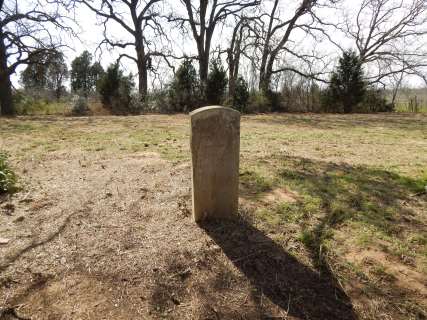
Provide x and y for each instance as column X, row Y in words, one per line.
column 369, row 196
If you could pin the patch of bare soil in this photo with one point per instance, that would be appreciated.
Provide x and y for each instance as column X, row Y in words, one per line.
column 93, row 237
column 402, row 276
column 280, row 195
column 392, row 281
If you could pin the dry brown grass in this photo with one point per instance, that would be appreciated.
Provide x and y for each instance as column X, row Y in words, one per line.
column 330, row 225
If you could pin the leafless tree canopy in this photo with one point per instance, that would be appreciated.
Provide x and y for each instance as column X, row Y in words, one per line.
column 141, row 21
column 27, row 30
column 388, row 36
column 274, row 37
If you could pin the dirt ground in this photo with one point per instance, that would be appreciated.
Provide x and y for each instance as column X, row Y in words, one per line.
column 102, row 228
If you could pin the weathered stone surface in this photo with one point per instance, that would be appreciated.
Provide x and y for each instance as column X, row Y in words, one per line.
column 215, row 143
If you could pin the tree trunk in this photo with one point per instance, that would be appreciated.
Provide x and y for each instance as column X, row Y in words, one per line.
column 264, row 82
column 265, row 86
column 142, row 68
column 59, row 86
column 234, row 64
column 234, row 59
column 396, row 89
column 58, row 93
column 264, row 77
column 6, row 103
column 231, row 86
column 231, row 75
column 204, row 48
column 348, row 108
column 203, row 73
column 142, row 82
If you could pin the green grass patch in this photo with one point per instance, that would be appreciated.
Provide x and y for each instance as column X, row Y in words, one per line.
column 8, row 178
column 30, row 106
column 368, row 201
column 18, row 127
column 253, row 182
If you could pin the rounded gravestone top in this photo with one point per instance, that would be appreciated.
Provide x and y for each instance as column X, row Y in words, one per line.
column 212, row 108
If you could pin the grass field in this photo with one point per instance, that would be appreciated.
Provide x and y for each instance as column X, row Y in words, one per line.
column 334, row 220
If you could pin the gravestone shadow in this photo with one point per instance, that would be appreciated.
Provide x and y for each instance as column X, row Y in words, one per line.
column 295, row 288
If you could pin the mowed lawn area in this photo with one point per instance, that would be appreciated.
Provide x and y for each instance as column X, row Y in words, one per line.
column 333, row 220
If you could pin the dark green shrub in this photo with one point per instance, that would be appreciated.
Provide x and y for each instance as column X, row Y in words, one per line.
column 116, row 91
column 347, row 88
column 184, row 91
column 217, row 83
column 7, row 176
column 275, row 101
column 328, row 103
column 241, row 95
column 373, row 101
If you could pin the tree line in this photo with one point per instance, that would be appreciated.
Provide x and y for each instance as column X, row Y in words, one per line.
column 269, row 46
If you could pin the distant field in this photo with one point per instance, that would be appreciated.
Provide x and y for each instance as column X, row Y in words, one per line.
column 403, row 107
column 412, row 100
column 334, row 222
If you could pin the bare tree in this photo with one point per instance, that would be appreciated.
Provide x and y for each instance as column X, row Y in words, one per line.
column 28, row 29
column 396, row 83
column 273, row 39
column 202, row 17
column 299, row 93
column 139, row 19
column 239, row 44
column 390, row 37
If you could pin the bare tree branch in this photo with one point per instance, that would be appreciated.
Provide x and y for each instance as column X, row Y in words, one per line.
column 388, row 33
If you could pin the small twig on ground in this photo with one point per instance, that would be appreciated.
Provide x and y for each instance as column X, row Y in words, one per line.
column 183, row 273
column 24, row 199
